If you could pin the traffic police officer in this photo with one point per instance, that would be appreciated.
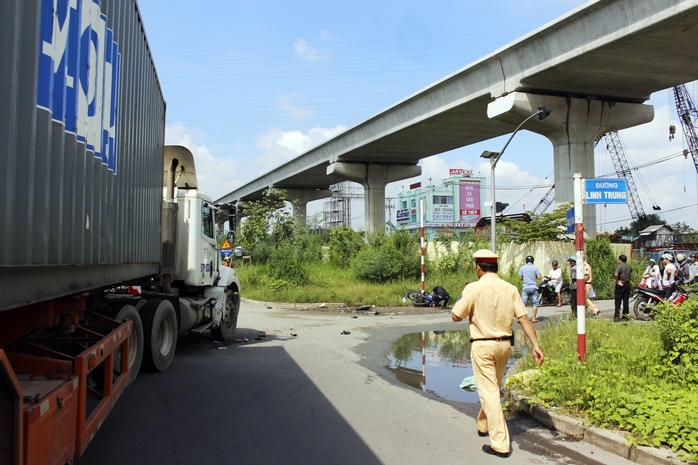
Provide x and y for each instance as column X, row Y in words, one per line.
column 491, row 304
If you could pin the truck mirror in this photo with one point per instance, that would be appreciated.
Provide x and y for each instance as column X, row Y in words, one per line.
column 231, row 237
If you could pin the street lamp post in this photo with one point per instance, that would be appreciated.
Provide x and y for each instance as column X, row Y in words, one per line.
column 494, row 157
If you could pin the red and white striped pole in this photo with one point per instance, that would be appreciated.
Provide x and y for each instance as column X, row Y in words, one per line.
column 579, row 246
column 421, row 240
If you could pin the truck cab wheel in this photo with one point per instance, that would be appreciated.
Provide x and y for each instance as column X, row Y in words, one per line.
column 229, row 322
column 135, row 341
column 160, row 334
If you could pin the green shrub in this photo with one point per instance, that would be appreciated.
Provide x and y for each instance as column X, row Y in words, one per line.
column 621, row 384
column 284, row 265
column 344, row 244
column 603, row 261
column 388, row 258
column 678, row 327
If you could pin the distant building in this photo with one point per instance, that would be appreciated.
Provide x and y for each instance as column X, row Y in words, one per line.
column 456, row 205
column 658, row 236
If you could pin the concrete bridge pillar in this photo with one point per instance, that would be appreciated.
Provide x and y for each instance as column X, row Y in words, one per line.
column 374, row 177
column 572, row 127
column 302, row 197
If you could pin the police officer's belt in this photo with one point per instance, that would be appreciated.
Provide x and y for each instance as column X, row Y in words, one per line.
column 505, row 338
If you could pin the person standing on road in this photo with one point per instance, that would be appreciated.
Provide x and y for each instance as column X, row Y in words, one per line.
column 555, row 276
column 693, row 268
column 491, row 304
column 530, row 274
column 573, row 284
column 587, row 288
column 622, row 294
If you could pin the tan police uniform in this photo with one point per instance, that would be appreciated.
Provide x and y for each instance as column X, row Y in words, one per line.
column 587, row 288
column 490, row 304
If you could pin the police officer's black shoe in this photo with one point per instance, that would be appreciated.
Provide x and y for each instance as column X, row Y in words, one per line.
column 488, row 450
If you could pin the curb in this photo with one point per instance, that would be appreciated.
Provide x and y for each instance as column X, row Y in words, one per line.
column 613, row 442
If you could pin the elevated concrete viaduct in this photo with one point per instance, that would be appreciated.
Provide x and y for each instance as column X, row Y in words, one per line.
column 594, row 66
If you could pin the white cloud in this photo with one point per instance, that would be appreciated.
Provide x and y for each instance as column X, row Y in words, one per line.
column 217, row 176
column 307, row 51
column 278, row 146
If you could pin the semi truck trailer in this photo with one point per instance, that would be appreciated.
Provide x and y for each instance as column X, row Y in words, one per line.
column 108, row 248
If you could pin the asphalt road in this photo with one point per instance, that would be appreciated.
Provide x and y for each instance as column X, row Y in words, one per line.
column 300, row 392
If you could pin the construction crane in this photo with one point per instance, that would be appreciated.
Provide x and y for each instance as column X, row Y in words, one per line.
column 545, row 202
column 688, row 116
column 620, row 162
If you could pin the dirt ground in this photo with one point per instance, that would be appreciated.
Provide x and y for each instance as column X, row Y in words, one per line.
column 330, row 308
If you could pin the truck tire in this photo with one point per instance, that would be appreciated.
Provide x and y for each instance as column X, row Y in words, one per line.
column 135, row 342
column 160, row 334
column 226, row 330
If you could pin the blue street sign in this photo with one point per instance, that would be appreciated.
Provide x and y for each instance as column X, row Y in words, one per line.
column 605, row 191
column 570, row 221
column 226, row 252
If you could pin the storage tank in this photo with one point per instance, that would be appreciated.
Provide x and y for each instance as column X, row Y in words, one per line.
column 82, row 121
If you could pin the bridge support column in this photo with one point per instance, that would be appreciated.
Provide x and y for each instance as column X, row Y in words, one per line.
column 572, row 127
column 301, row 198
column 374, row 178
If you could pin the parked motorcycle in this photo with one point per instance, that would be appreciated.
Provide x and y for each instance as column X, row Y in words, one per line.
column 547, row 293
column 646, row 298
column 439, row 298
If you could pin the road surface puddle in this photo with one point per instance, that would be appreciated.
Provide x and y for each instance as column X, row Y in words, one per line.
column 438, row 361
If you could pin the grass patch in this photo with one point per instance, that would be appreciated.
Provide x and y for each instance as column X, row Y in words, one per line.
column 624, row 383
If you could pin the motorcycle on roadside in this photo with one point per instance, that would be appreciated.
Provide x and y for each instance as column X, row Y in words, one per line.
column 547, row 293
column 439, row 298
column 646, row 298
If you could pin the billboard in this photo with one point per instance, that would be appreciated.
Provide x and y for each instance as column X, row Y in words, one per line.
column 470, row 201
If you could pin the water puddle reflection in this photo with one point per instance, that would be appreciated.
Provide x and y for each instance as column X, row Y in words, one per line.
column 446, row 362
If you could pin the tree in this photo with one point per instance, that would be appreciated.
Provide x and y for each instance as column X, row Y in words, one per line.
column 683, row 228
column 639, row 224
column 267, row 219
column 545, row 227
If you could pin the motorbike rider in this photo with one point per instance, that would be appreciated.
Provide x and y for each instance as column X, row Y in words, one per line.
column 555, row 276
column 693, row 268
column 669, row 274
column 652, row 272
column 683, row 269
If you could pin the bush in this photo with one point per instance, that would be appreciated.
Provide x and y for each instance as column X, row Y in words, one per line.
column 344, row 244
column 621, row 383
column 388, row 258
column 285, row 266
column 678, row 327
column 603, row 266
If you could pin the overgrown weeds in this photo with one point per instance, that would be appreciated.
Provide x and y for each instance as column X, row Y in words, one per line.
column 632, row 379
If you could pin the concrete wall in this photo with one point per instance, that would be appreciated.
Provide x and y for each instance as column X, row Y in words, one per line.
column 512, row 254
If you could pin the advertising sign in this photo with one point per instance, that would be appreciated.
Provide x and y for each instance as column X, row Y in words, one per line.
column 460, row 172
column 415, row 185
column 443, row 213
column 470, row 202
column 403, row 216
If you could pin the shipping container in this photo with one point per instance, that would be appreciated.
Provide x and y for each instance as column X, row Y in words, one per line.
column 82, row 124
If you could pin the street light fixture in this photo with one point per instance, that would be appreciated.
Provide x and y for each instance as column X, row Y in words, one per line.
column 494, row 157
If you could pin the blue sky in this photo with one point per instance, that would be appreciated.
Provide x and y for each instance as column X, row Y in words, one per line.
column 250, row 85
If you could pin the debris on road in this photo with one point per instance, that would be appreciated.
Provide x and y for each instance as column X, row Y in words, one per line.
column 345, row 332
